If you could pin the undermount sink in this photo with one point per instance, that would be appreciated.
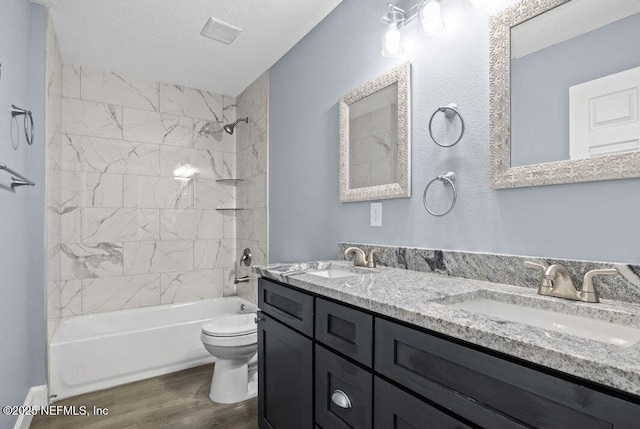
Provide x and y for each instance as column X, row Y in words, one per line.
column 332, row 273
column 576, row 325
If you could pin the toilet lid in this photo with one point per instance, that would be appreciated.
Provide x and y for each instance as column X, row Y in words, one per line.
column 231, row 325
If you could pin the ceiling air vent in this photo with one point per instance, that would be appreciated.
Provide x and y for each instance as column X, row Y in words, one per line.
column 221, row 31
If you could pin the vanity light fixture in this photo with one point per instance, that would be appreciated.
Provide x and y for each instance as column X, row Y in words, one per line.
column 429, row 13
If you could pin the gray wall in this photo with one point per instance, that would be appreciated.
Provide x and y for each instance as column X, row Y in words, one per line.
column 596, row 221
column 21, row 282
column 540, row 85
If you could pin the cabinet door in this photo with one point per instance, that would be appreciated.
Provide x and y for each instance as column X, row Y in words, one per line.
column 344, row 392
column 396, row 409
column 285, row 384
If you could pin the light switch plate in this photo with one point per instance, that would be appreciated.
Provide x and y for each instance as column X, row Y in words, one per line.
column 376, row 214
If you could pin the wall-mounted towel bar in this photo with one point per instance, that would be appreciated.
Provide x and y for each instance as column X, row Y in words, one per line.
column 20, row 181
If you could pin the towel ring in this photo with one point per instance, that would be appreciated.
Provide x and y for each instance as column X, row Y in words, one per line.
column 448, row 178
column 449, row 111
column 28, row 118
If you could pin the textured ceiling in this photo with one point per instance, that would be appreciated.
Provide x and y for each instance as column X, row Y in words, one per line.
column 160, row 39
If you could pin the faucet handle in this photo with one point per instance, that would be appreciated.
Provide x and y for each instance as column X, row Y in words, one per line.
column 535, row 265
column 371, row 263
column 546, row 285
column 589, row 292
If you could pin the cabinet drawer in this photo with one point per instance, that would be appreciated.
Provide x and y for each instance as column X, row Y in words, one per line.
column 291, row 307
column 344, row 393
column 346, row 330
column 396, row 409
column 504, row 394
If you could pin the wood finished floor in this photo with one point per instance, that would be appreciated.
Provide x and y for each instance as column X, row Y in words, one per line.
column 178, row 400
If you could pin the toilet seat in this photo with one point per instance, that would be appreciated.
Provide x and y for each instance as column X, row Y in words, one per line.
column 231, row 325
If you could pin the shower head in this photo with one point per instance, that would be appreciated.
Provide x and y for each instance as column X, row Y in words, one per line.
column 230, row 127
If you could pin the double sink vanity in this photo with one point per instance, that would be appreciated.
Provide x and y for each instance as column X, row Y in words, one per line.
column 342, row 346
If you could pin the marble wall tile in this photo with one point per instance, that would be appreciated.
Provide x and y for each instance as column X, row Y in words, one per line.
column 249, row 291
column 71, row 225
column 178, row 100
column 120, row 89
column 211, row 195
column 228, row 109
column 244, row 224
column 123, row 217
column 259, row 218
column 207, row 164
column 145, row 257
column 244, row 163
column 230, row 288
column 259, row 158
column 158, row 192
column 214, row 254
column 158, row 128
column 70, row 298
column 119, row 293
column 84, row 261
column 88, row 118
column 257, row 191
column 190, row 225
column 191, row 285
column 71, row 81
column 54, row 312
column 82, row 153
column 117, row 225
column 84, row 189
column 229, row 224
column 258, row 125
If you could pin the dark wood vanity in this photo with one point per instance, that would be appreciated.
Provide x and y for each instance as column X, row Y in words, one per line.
column 327, row 365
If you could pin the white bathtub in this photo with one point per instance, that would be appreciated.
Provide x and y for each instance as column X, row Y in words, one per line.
column 98, row 351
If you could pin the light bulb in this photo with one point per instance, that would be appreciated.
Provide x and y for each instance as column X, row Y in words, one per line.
column 431, row 18
column 392, row 40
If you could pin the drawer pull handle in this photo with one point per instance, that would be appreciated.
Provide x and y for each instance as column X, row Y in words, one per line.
column 341, row 399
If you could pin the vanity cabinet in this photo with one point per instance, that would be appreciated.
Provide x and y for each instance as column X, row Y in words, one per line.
column 328, row 365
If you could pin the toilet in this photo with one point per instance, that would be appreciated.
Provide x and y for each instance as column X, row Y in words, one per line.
column 233, row 340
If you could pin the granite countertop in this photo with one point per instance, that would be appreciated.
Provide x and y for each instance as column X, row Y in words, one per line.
column 424, row 299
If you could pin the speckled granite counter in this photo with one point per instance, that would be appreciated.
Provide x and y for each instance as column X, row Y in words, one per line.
column 424, row 300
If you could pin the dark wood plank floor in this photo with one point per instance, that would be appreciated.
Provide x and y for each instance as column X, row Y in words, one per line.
column 178, row 400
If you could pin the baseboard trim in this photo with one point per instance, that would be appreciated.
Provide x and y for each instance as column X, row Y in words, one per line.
column 37, row 397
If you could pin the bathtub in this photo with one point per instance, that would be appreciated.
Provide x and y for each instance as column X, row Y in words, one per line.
column 98, row 351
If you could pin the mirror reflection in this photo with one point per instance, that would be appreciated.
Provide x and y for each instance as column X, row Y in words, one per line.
column 373, row 139
column 575, row 82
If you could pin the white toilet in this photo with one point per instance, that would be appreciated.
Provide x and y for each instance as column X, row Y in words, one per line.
column 233, row 340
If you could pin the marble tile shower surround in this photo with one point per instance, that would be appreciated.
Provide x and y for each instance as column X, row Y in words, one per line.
column 137, row 193
column 504, row 269
column 251, row 226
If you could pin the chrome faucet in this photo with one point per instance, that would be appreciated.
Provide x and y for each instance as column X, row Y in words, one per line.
column 361, row 259
column 556, row 281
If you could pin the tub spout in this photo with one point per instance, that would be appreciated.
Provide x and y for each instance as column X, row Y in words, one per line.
column 244, row 279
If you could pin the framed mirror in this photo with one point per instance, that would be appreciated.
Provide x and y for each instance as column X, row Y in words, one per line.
column 375, row 138
column 565, row 92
